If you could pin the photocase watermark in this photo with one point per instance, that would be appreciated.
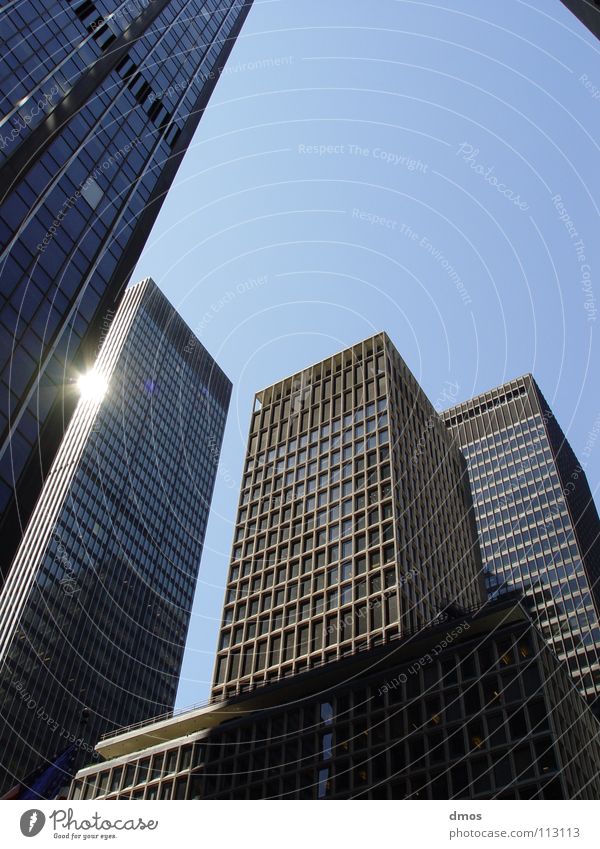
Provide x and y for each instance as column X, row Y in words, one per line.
column 300, row 394
column 53, row 724
column 32, row 822
column 447, row 398
column 179, row 86
column 426, row 244
column 267, row 62
column 520, row 478
column 439, row 257
column 69, row 583
column 372, row 218
column 585, row 270
column 97, row 822
column 104, row 328
column 469, row 155
column 578, row 471
column 89, row 190
column 371, row 604
column 593, row 89
column 21, row 122
column 564, row 216
column 425, row 659
column 133, row 7
column 214, row 450
column 390, row 157
column 242, row 288
column 323, row 149
column 590, row 441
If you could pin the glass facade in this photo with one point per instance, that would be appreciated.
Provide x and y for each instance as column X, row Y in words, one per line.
column 588, row 12
column 538, row 526
column 492, row 715
column 100, row 101
column 340, row 542
column 94, row 614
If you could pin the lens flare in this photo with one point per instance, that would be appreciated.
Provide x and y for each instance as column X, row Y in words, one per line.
column 92, row 386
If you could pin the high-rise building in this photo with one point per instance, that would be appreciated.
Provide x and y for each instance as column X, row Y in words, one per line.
column 95, row 611
column 538, row 525
column 347, row 534
column 588, row 12
column 473, row 708
column 100, row 100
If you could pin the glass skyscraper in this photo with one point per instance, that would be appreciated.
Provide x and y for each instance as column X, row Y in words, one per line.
column 538, row 525
column 588, row 12
column 95, row 611
column 357, row 658
column 347, row 534
column 100, row 100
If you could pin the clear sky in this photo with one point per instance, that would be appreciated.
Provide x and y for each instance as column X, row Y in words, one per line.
column 341, row 129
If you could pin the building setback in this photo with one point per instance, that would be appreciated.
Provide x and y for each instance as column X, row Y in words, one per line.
column 94, row 615
column 100, row 100
column 474, row 708
column 538, row 525
column 371, row 670
column 347, row 534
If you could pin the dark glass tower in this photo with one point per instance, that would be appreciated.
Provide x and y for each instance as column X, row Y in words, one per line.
column 347, row 535
column 100, row 100
column 538, row 525
column 588, row 12
column 473, row 708
column 95, row 611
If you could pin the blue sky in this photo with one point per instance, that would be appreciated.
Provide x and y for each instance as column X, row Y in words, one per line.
column 406, row 166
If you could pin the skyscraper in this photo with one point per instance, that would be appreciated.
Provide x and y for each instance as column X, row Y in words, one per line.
column 100, row 101
column 588, row 12
column 538, row 525
column 476, row 707
column 393, row 681
column 94, row 614
column 347, row 535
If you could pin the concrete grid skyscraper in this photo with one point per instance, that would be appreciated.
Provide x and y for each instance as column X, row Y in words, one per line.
column 100, row 99
column 538, row 524
column 95, row 612
column 475, row 707
column 342, row 543
column 336, row 676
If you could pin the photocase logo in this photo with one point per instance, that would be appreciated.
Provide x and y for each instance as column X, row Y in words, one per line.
column 32, row 822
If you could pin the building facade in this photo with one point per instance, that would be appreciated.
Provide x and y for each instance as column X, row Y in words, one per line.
column 473, row 708
column 347, row 534
column 538, row 525
column 588, row 12
column 94, row 614
column 100, row 100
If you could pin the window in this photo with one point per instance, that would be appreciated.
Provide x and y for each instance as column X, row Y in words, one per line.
column 157, row 765
column 326, row 713
column 115, row 781
column 129, row 774
column 326, row 746
column 143, row 771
